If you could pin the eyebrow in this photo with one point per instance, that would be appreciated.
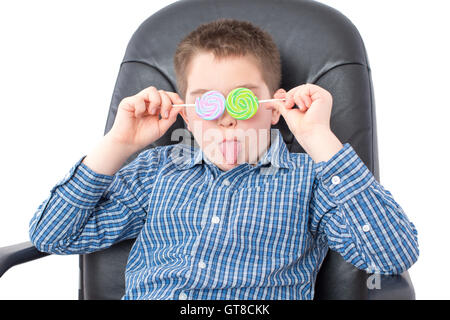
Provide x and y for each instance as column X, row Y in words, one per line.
column 248, row 86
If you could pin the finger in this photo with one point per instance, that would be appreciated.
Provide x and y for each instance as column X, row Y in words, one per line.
column 127, row 104
column 154, row 100
column 281, row 107
column 176, row 99
column 139, row 106
column 289, row 102
column 166, row 104
column 298, row 98
column 144, row 93
column 165, row 123
column 316, row 92
column 270, row 105
column 307, row 94
column 302, row 96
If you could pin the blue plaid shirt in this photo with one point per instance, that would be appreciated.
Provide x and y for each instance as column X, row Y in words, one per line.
column 253, row 232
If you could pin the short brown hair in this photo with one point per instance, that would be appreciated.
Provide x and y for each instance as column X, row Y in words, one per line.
column 229, row 37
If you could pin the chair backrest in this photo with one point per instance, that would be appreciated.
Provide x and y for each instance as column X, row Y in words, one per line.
column 317, row 44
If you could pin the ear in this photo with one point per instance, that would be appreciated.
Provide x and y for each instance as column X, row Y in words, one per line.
column 274, row 107
column 275, row 115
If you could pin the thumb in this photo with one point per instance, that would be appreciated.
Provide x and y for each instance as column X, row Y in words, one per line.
column 165, row 124
column 175, row 99
column 280, row 106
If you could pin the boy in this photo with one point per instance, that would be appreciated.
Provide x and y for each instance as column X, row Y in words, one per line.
column 239, row 217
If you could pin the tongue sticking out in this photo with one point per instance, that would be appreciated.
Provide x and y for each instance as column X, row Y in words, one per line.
column 230, row 150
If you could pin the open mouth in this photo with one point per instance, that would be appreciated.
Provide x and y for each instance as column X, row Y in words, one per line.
column 230, row 149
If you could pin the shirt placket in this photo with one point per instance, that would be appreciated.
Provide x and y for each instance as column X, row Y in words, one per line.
column 213, row 225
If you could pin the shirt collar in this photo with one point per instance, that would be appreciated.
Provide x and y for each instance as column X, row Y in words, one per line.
column 277, row 155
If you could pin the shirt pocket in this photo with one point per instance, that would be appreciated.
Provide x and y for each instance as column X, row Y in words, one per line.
column 267, row 223
column 173, row 212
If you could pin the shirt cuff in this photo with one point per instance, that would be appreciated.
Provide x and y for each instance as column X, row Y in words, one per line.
column 82, row 186
column 344, row 175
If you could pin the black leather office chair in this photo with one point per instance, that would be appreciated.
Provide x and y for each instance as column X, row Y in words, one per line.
column 318, row 45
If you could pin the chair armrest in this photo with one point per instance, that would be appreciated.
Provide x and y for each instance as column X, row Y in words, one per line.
column 13, row 255
column 391, row 287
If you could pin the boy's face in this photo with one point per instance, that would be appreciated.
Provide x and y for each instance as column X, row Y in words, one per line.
column 226, row 141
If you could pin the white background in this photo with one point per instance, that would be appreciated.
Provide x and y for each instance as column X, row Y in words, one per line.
column 58, row 66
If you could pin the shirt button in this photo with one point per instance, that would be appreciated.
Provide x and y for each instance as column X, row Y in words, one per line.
column 183, row 296
column 366, row 227
column 215, row 219
column 226, row 182
column 202, row 265
column 335, row 180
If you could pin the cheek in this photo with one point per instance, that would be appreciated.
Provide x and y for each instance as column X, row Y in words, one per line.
column 261, row 119
column 201, row 128
column 194, row 120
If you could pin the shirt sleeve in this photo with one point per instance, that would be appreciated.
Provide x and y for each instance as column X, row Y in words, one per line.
column 87, row 211
column 358, row 218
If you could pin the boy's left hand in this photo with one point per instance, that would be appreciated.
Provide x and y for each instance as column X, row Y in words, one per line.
column 310, row 123
column 314, row 108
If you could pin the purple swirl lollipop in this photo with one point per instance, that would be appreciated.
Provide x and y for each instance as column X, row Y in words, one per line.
column 211, row 105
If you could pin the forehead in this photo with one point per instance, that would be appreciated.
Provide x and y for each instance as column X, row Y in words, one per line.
column 206, row 72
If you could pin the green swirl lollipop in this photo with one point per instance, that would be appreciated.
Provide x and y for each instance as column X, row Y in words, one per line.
column 242, row 103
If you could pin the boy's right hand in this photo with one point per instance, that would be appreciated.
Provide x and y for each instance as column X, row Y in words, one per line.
column 137, row 122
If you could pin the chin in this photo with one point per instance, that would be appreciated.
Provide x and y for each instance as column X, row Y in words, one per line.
column 226, row 166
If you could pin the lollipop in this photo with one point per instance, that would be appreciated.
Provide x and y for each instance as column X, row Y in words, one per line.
column 242, row 103
column 211, row 105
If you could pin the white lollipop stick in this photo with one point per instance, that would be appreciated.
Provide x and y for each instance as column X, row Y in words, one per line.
column 193, row 105
column 268, row 100
column 184, row 105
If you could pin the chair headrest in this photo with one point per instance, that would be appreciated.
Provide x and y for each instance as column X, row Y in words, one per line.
column 317, row 44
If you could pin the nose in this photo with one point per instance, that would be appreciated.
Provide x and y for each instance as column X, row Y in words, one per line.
column 227, row 121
